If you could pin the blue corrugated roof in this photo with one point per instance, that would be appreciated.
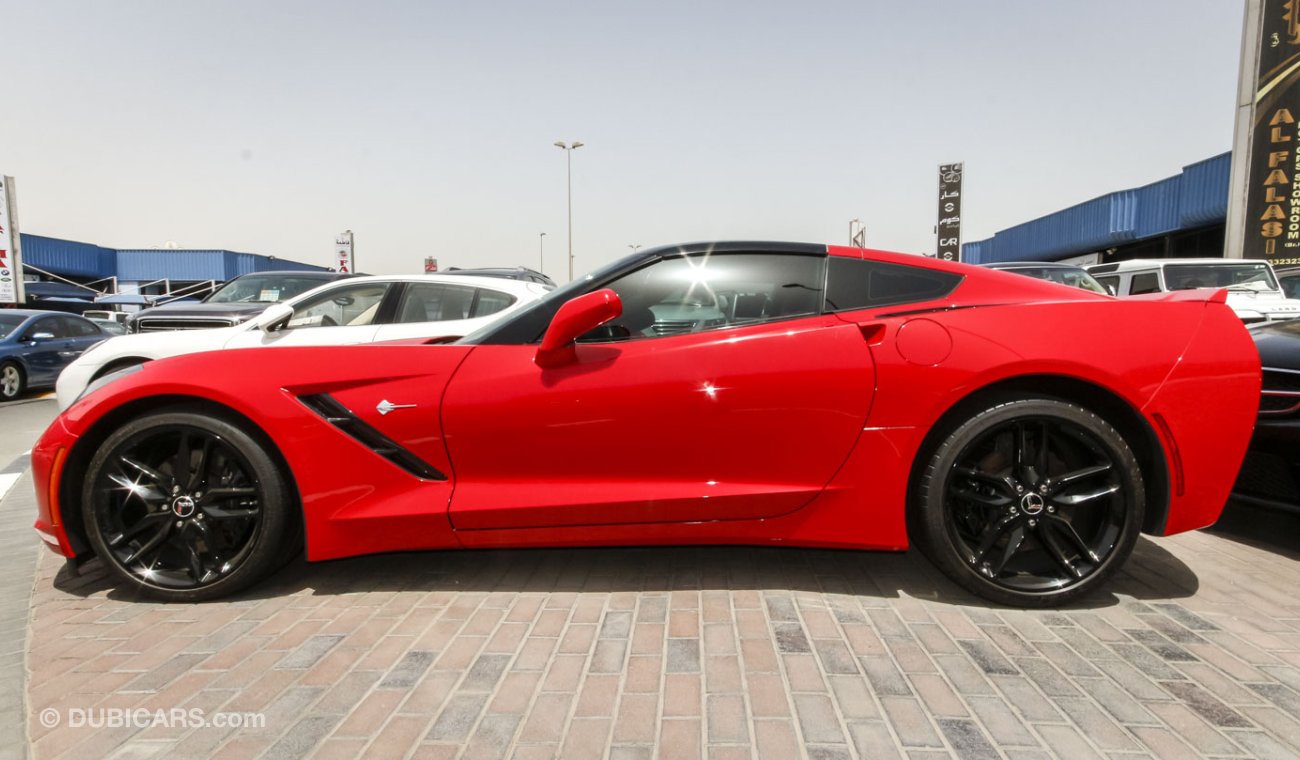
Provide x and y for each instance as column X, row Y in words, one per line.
column 67, row 257
column 1194, row 198
column 72, row 259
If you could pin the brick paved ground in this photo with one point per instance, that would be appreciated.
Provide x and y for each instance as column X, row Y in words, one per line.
column 725, row 653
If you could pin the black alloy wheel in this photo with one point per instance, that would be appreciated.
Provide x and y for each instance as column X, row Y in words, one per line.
column 186, row 506
column 1031, row 502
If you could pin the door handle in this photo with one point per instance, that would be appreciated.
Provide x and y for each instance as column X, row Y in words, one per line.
column 872, row 332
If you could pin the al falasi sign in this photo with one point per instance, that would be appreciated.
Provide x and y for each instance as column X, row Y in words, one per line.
column 1272, row 220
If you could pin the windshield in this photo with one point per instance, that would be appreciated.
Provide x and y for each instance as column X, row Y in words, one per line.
column 8, row 323
column 1237, row 276
column 263, row 289
column 1075, row 278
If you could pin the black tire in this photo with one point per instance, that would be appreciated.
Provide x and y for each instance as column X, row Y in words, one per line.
column 1023, row 524
column 13, row 381
column 186, row 534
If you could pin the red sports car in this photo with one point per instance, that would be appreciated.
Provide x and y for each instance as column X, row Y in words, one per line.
column 1022, row 433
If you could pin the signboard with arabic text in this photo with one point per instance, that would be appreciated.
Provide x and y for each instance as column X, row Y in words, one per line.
column 949, row 226
column 11, row 262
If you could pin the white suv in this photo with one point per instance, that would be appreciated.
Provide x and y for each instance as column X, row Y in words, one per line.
column 353, row 310
column 1253, row 291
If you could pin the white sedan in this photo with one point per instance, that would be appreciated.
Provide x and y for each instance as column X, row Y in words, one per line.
column 354, row 310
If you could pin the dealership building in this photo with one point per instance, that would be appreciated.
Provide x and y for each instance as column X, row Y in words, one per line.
column 1177, row 217
column 71, row 271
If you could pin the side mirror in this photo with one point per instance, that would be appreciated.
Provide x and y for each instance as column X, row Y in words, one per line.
column 40, row 337
column 274, row 318
column 574, row 318
column 1111, row 289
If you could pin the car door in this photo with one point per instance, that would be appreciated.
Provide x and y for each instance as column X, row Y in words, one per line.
column 721, row 392
column 82, row 334
column 44, row 355
column 440, row 309
column 342, row 315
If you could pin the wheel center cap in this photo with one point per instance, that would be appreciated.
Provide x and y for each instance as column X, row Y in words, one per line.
column 1031, row 504
column 184, row 506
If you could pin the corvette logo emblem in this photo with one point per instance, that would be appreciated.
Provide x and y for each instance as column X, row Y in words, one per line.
column 387, row 406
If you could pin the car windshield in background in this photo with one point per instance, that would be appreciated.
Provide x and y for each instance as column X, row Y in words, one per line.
column 1075, row 278
column 8, row 323
column 1239, row 276
column 270, row 289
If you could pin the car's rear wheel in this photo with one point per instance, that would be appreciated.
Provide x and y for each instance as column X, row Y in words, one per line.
column 185, row 506
column 12, row 381
column 1031, row 502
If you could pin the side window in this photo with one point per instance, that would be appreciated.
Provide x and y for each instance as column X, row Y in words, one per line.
column 709, row 292
column 78, row 328
column 1290, row 286
column 350, row 305
column 49, row 325
column 434, row 302
column 1110, row 281
column 859, row 284
column 1147, row 282
column 490, row 302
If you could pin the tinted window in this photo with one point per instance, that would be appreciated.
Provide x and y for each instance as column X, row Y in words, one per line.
column 9, row 322
column 1290, row 286
column 1147, row 282
column 707, row 292
column 78, row 328
column 435, row 302
column 49, row 325
column 351, row 305
column 491, row 301
column 860, row 284
column 1110, row 282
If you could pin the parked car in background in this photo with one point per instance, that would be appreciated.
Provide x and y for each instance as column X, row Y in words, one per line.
column 1270, row 476
column 510, row 273
column 109, row 326
column 1064, row 274
column 36, row 345
column 239, row 300
column 650, row 402
column 354, row 310
column 1253, row 290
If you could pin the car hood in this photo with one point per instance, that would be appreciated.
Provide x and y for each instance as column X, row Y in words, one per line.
column 1278, row 344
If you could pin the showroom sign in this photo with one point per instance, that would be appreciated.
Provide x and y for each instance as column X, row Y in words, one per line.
column 949, row 226
column 11, row 258
column 1264, row 195
column 343, row 255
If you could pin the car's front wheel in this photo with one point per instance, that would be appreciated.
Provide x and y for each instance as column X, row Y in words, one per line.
column 1030, row 502
column 185, row 506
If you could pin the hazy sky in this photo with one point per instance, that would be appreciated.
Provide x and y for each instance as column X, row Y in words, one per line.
column 427, row 127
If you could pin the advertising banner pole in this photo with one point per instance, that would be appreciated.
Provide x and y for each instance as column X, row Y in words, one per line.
column 11, row 247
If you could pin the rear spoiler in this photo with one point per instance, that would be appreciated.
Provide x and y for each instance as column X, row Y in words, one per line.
column 1201, row 295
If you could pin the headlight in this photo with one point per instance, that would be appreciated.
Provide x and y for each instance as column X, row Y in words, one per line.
column 111, row 377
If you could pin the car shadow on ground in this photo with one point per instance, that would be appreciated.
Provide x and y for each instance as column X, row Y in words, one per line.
column 1152, row 573
column 1268, row 529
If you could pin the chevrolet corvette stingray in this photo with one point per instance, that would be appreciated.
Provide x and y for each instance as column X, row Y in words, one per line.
column 1020, row 432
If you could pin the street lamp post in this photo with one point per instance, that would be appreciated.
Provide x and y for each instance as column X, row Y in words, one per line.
column 568, row 149
column 541, row 252
column 634, row 247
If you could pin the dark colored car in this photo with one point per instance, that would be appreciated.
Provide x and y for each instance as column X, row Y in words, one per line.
column 239, row 300
column 1289, row 279
column 1065, row 274
column 1270, row 476
column 509, row 273
column 36, row 345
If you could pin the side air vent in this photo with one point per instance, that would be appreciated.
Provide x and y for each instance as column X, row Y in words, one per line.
column 342, row 418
